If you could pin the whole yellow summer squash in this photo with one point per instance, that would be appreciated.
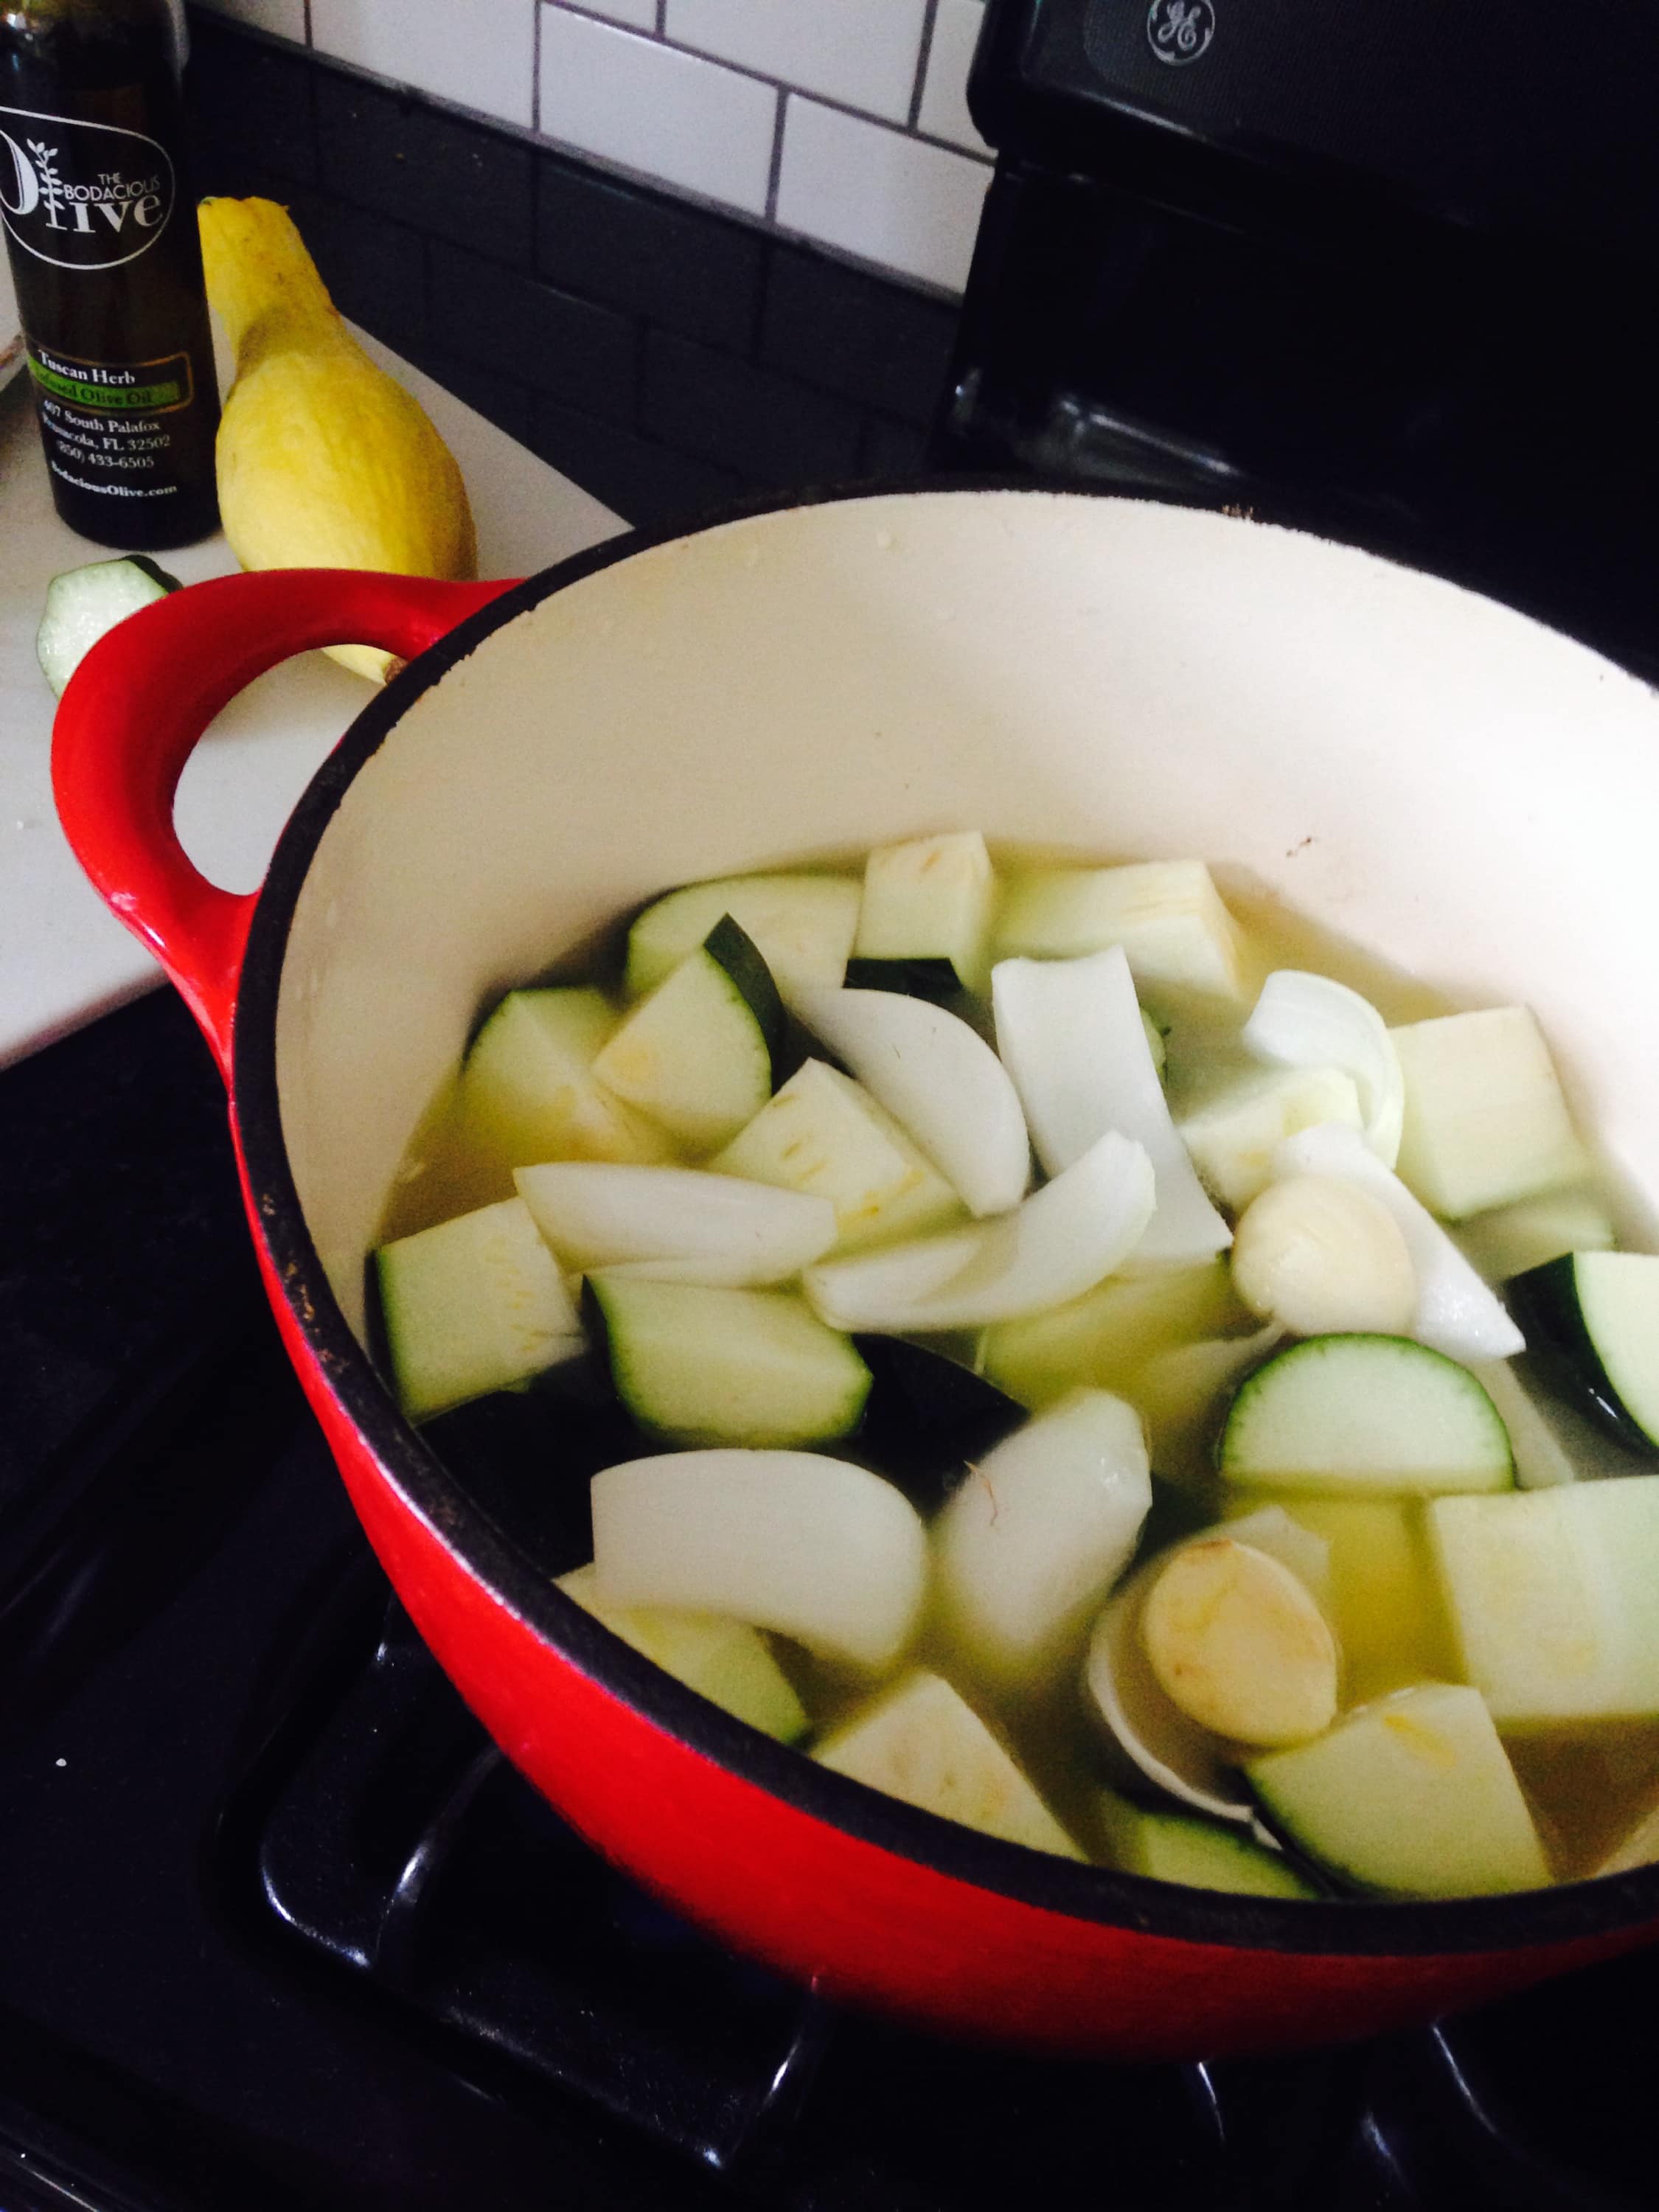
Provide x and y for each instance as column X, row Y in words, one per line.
column 324, row 461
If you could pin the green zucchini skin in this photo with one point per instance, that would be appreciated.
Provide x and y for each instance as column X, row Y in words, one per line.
column 729, row 944
column 934, row 978
column 1547, row 1307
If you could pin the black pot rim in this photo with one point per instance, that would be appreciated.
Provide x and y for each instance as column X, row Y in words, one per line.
column 1533, row 1920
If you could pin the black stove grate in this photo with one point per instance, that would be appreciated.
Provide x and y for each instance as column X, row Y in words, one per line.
column 393, row 1841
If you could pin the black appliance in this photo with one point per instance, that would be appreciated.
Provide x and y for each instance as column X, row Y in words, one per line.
column 1388, row 271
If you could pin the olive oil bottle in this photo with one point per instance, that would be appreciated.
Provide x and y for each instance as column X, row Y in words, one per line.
column 101, row 228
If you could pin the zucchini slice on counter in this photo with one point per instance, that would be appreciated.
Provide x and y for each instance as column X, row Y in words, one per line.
column 84, row 605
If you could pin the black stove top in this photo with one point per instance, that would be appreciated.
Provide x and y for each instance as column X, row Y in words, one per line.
column 282, row 1928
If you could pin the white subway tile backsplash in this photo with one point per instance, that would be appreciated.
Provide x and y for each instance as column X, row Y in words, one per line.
column 862, row 51
column 879, row 194
column 479, row 53
column 284, row 19
column 944, row 93
column 653, row 108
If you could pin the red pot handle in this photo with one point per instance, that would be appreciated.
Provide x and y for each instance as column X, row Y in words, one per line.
column 136, row 708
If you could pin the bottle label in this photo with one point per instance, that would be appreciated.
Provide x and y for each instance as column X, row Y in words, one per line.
column 106, row 428
column 82, row 195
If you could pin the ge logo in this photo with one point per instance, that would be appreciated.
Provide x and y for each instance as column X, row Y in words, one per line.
column 1179, row 30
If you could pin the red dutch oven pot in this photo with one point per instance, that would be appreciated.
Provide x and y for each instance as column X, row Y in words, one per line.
column 1409, row 765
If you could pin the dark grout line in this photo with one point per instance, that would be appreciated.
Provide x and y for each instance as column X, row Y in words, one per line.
column 923, row 58
column 774, row 174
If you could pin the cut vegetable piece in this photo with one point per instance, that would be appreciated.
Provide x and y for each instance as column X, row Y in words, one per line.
column 1318, row 1254
column 809, row 1546
column 1068, row 1236
column 924, row 1744
column 696, row 1055
column 1232, row 1137
column 1028, row 1547
column 1166, row 914
column 1363, row 1416
column 802, row 926
column 1108, row 1335
column 1235, row 1641
column 940, row 1082
column 1198, row 1854
column 1540, row 1458
column 1155, row 1739
column 528, row 1090
column 1554, row 1598
column 1274, row 1530
column 1070, row 1033
column 728, row 1662
column 1314, row 1022
column 1486, row 1122
column 1412, row 1797
column 929, row 898
column 936, row 981
column 472, row 1306
column 700, row 1366
column 1595, row 1317
column 1384, row 1596
column 84, row 605
column 928, row 1417
column 1512, row 1240
column 678, row 1224
column 825, row 1135
column 1456, row 1313
column 1181, row 1395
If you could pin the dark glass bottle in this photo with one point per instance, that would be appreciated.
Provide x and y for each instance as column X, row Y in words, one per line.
column 101, row 225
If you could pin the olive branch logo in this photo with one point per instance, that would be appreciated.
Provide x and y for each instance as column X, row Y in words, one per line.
column 45, row 166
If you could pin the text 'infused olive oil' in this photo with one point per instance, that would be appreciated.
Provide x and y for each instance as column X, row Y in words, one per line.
column 100, row 229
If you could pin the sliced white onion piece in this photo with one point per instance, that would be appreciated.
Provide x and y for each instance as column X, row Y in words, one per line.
column 1456, row 1313
column 1059, row 1243
column 1071, row 1033
column 939, row 1080
column 1043, row 1527
column 809, row 1546
column 1310, row 1021
column 1183, row 1759
column 675, row 1224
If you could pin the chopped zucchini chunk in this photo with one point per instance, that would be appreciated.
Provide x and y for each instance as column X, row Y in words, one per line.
column 1166, row 914
column 929, row 898
column 474, row 1305
column 923, row 1743
column 1594, row 1318
column 824, row 1135
column 729, row 1662
column 1486, row 1122
column 529, row 1093
column 1554, row 1598
column 1365, row 1416
column 1511, row 1240
column 1201, row 1854
column 696, row 1055
column 1233, row 1137
column 696, row 1365
column 1412, row 1797
column 1106, row 1336
column 801, row 925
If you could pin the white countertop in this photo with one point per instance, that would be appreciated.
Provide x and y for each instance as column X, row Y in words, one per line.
column 64, row 958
